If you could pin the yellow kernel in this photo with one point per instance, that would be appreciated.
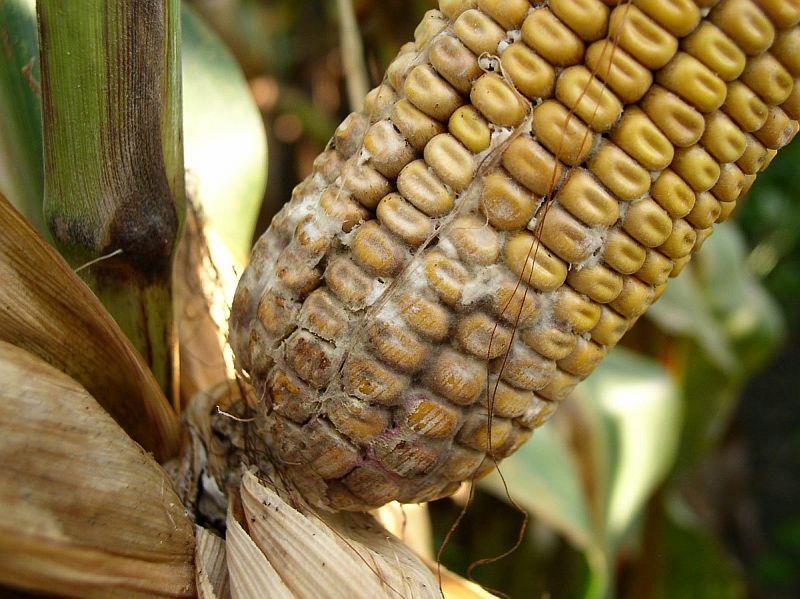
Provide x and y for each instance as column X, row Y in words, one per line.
column 513, row 301
column 476, row 432
column 642, row 37
column 730, row 185
column 453, row 8
column 728, row 209
column 478, row 32
column 423, row 188
column 680, row 264
column 600, row 283
column 575, row 310
column 397, row 346
column 446, row 277
column 787, row 50
column 376, row 250
column 680, row 242
column 588, row 97
column 509, row 13
column 565, row 236
column 784, row 13
column 389, row 151
column 497, row 101
column 673, row 194
column 471, row 129
column 745, row 107
column 767, row 77
column 648, row 223
column 587, row 18
column 561, row 132
column 745, row 24
column 694, row 82
column 656, row 268
column 451, row 161
column 610, row 328
column 549, row 341
column 482, row 336
column 506, row 401
column 417, row 127
column 405, row 221
column 559, row 387
column 634, row 299
column 455, row 62
column 717, row 51
column 456, row 377
column 696, row 167
column 525, row 368
column 356, row 420
column 532, row 261
column 532, row 166
column 583, row 359
column 427, row 317
column 722, row 138
column 475, row 241
column 431, row 94
column 532, row 75
column 507, row 205
column 792, row 104
column 778, row 131
column 754, row 157
column 551, row 39
column 367, row 379
column 679, row 17
column 705, row 212
column 680, row 122
column 619, row 70
column 366, row 184
column 619, row 172
column 642, row 140
column 622, row 253
column 586, row 199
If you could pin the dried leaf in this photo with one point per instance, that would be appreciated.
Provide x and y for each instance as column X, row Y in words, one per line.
column 46, row 309
column 211, row 569
column 84, row 511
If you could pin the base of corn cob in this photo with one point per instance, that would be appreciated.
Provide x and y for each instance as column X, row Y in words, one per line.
column 516, row 194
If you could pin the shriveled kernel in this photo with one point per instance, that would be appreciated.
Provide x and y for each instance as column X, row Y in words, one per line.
column 559, row 387
column 312, row 237
column 745, row 24
column 323, row 315
column 339, row 205
column 277, row 315
column 379, row 101
column 680, row 242
column 357, row 420
column 623, row 253
column 478, row 32
column 349, row 135
column 509, row 13
column 370, row 484
column 702, row 235
column 549, row 341
column 376, row 250
column 619, row 70
column 569, row 239
column 451, row 161
column 456, row 377
column 423, row 188
column 524, row 368
column 431, row 418
column 417, row 127
column 673, row 194
column 366, row 184
column 427, row 317
column 366, row 378
column 586, row 199
column 497, row 101
column 619, row 172
column 532, row 166
column 610, row 328
column 583, row 359
column 471, row 129
column 482, row 336
column 722, row 138
column 350, row 284
column 462, row 463
column 397, row 346
column 475, row 241
column 634, row 299
column 529, row 259
column 432, row 24
column 745, row 107
column 679, row 17
column 445, row 276
column 297, row 274
column 329, row 165
column 787, row 50
column 587, row 18
column 389, row 150
column 538, row 414
column 681, row 123
column 506, row 204
column 767, row 77
column 656, row 268
column 455, row 62
column 406, row 458
column 398, row 69
column 575, row 310
column 327, row 453
column 717, row 51
column 705, row 212
column 477, row 434
column 642, row 37
column 778, row 131
column 532, row 75
column 551, row 39
column 587, row 97
column 561, row 132
column 291, row 398
column 597, row 281
column 694, row 82
column 730, row 184
column 783, row 13
column 505, row 400
column 642, row 140
column 513, row 301
column 696, row 167
column 431, row 94
column 313, row 359
column 401, row 218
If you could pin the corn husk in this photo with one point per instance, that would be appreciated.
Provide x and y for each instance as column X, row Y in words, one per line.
column 84, row 510
column 211, row 570
column 46, row 309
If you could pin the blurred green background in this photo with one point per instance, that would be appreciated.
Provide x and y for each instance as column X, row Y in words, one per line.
column 675, row 470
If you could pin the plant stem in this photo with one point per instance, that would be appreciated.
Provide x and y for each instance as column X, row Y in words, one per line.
column 114, row 180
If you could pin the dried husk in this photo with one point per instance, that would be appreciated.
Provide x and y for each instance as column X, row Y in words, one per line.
column 211, row 569
column 46, row 309
column 84, row 510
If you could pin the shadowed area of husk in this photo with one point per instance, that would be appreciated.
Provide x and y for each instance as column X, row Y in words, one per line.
column 46, row 309
column 84, row 510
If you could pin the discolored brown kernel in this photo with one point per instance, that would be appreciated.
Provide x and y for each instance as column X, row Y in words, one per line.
column 366, row 184
column 696, row 167
column 350, row 284
column 389, row 151
column 456, row 377
column 404, row 457
column 778, row 131
column 430, row 417
column 586, row 199
column 355, row 419
column 656, row 268
column 581, row 91
column 401, row 218
column 340, row 205
column 681, row 123
column 694, row 82
column 427, row 317
column 619, row 172
column 277, row 315
column 379, row 101
column 524, row 368
column 323, row 315
column 538, row 413
column 532, row 166
column 313, row 359
column 506, row 401
column 548, row 341
column 376, row 250
column 513, row 301
column 559, row 387
column 745, row 107
column 634, row 299
column 293, row 271
column 717, row 51
column 561, row 132
column 369, row 380
column 597, row 281
column 417, row 127
column 767, row 78
column 551, row 39
column 398, row 69
column 623, row 253
column 471, row 129
column 532, row 75
column 455, row 62
column 312, row 237
column 445, row 276
column 349, row 135
column 587, row 18
column 478, row 32
column 482, row 336
column 745, row 24
column 722, row 138
column 477, row 434
column 583, row 359
column 506, row 204
column 534, row 263
column 431, row 94
column 575, row 310
column 423, row 188
column 290, row 397
column 397, row 346
column 475, row 241
column 569, row 239
column 673, row 194
column 327, row 453
column 462, row 463
column 372, row 485
column 451, row 161
column 497, row 101
column 619, row 70
column 642, row 37
column 637, row 135
column 679, row 17
column 648, row 223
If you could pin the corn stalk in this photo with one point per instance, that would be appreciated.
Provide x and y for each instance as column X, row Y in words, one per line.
column 114, row 188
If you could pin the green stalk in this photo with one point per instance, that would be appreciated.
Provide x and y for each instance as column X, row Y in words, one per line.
column 113, row 153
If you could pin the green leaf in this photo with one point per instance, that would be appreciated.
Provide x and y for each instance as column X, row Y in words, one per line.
column 224, row 137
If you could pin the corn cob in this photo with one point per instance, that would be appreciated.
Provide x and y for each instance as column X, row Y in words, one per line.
column 515, row 195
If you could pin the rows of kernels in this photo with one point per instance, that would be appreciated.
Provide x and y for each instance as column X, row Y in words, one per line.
column 595, row 185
